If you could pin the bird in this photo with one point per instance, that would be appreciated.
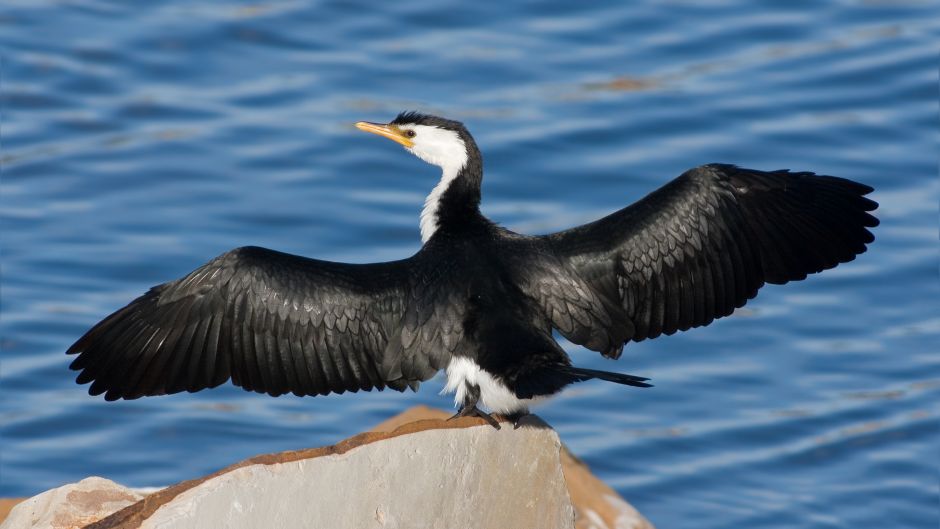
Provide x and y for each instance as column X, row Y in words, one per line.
column 477, row 300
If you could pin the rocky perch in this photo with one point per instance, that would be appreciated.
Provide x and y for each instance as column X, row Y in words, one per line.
column 414, row 470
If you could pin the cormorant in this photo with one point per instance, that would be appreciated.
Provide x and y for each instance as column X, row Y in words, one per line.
column 477, row 299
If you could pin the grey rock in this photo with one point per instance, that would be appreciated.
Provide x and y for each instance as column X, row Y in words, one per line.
column 436, row 478
column 71, row 506
column 415, row 470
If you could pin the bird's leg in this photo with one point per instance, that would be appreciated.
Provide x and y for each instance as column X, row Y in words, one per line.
column 469, row 407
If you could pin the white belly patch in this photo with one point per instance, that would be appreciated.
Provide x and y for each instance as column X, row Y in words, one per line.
column 493, row 394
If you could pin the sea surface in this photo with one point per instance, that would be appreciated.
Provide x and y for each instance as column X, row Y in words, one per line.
column 140, row 139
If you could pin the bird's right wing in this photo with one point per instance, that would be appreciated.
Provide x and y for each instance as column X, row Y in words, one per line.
column 273, row 322
column 703, row 244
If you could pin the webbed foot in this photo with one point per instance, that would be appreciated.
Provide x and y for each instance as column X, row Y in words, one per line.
column 473, row 411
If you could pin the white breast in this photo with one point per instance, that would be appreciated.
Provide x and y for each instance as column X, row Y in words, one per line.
column 494, row 396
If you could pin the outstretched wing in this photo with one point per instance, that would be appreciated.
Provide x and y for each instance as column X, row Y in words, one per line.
column 272, row 322
column 703, row 244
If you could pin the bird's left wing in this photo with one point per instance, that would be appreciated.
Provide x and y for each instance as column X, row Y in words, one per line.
column 703, row 244
column 272, row 322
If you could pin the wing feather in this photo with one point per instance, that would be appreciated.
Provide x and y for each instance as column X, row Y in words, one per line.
column 703, row 244
column 272, row 322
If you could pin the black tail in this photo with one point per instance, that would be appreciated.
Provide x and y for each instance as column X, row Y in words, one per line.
column 580, row 374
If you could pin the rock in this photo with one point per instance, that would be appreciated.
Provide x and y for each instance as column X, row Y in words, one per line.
column 414, row 470
column 596, row 505
column 71, row 506
column 429, row 473
column 6, row 505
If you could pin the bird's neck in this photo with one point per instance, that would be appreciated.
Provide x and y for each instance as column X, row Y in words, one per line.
column 455, row 200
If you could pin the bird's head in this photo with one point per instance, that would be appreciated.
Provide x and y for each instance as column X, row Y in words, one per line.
column 446, row 144
column 438, row 141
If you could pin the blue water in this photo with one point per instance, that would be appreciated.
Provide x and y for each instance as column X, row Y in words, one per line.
column 140, row 139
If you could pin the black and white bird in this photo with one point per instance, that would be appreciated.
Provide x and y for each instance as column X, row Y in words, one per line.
column 478, row 300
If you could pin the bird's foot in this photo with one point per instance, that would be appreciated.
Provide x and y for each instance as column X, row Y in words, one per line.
column 516, row 418
column 473, row 411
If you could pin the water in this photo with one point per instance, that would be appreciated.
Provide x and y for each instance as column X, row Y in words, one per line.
column 142, row 139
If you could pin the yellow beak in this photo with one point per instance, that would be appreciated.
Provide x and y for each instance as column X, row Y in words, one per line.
column 389, row 131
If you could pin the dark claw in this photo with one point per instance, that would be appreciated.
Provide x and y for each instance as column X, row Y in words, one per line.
column 488, row 418
column 473, row 411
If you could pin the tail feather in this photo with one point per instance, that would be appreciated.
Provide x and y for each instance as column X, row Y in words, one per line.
column 580, row 374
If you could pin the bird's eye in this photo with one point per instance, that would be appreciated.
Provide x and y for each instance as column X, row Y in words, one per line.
column 410, row 133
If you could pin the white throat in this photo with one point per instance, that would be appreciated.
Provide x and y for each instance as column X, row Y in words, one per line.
column 445, row 149
column 429, row 220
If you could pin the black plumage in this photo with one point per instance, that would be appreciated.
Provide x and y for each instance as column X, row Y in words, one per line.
column 688, row 253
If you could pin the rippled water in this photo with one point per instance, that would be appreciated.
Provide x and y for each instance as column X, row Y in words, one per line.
column 141, row 139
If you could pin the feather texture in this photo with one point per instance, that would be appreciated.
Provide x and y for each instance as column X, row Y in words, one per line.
column 703, row 244
column 274, row 323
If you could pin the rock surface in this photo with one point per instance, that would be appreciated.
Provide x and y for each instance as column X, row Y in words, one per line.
column 6, row 505
column 414, row 470
column 597, row 506
column 71, row 506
